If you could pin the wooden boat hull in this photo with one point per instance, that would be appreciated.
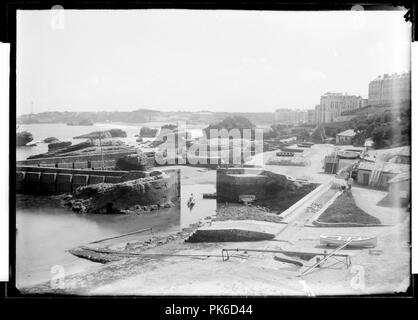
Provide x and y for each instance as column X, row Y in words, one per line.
column 292, row 150
column 357, row 242
column 348, row 155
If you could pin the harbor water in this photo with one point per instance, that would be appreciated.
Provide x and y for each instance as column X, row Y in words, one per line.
column 46, row 230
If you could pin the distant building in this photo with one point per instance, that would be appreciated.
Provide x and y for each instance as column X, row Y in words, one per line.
column 390, row 88
column 291, row 116
column 345, row 137
column 332, row 105
column 311, row 117
column 364, row 103
column 318, row 114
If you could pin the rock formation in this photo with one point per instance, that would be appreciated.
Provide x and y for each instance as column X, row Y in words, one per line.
column 150, row 193
column 54, row 152
column 112, row 133
column 133, row 162
column 146, row 132
column 23, row 137
column 50, row 140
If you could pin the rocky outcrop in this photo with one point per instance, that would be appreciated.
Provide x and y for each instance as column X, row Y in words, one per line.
column 172, row 127
column 143, row 194
column 133, row 162
column 23, row 137
column 146, row 132
column 50, row 140
column 112, row 133
column 62, row 150
column 58, row 145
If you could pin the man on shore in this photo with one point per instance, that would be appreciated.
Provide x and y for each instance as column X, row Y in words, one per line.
column 349, row 182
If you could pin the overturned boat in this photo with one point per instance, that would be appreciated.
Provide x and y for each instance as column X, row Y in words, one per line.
column 304, row 145
column 348, row 154
column 351, row 241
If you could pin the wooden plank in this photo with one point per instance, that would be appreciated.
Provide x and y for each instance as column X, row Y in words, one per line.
column 333, row 253
column 289, row 252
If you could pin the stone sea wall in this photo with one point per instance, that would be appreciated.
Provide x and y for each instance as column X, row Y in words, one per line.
column 50, row 181
column 80, row 161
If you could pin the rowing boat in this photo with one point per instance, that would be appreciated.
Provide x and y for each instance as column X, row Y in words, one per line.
column 348, row 154
column 304, row 145
column 355, row 241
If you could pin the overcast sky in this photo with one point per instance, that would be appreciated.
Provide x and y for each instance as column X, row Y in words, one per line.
column 202, row 60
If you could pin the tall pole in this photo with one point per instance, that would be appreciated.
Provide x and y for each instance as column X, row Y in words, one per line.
column 101, row 151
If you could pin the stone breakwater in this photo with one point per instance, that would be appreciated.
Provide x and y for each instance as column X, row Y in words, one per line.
column 150, row 193
column 50, row 181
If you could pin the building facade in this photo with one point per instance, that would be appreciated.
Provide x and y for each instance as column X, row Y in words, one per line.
column 390, row 89
column 332, row 105
column 311, row 117
column 345, row 137
column 289, row 116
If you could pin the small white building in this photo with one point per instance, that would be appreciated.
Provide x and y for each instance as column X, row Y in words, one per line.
column 345, row 137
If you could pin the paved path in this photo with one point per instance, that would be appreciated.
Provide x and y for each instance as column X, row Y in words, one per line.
column 297, row 219
column 297, row 222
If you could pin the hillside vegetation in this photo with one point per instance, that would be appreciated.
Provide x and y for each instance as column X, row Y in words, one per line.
column 387, row 127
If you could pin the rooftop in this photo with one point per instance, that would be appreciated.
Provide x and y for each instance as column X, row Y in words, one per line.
column 347, row 133
column 401, row 177
column 387, row 167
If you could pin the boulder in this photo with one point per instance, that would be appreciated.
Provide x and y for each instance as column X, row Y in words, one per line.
column 146, row 132
column 23, row 137
column 50, row 140
column 138, row 162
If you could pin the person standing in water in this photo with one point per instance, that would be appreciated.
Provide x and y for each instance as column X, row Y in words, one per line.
column 191, row 201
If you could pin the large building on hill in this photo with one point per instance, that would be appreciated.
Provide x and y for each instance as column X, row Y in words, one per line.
column 332, row 105
column 390, row 88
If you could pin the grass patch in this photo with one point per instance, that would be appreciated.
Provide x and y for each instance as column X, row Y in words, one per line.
column 345, row 210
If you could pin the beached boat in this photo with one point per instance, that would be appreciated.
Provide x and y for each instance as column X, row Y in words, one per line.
column 289, row 149
column 304, row 145
column 348, row 154
column 356, row 241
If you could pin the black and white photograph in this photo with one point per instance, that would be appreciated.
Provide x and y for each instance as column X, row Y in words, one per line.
column 178, row 152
